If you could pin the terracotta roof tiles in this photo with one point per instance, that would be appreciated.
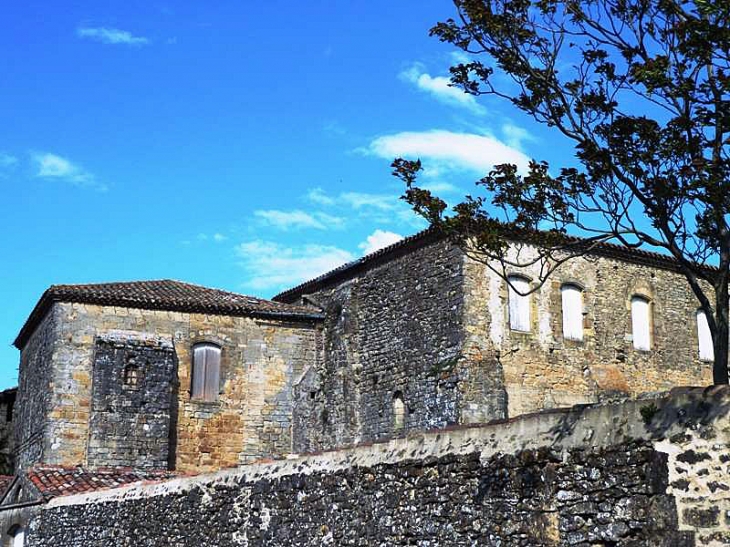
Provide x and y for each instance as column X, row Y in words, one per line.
column 165, row 294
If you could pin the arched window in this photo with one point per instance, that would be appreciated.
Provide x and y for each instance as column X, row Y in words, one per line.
column 641, row 322
column 707, row 351
column 399, row 411
column 205, row 383
column 132, row 377
column 519, row 304
column 572, row 300
column 18, row 536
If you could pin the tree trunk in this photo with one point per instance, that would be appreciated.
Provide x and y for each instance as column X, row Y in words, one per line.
column 721, row 339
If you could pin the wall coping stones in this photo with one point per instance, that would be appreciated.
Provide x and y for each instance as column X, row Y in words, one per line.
column 599, row 425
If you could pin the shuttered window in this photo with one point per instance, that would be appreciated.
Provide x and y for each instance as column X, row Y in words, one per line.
column 707, row 351
column 641, row 322
column 206, row 372
column 519, row 305
column 572, row 301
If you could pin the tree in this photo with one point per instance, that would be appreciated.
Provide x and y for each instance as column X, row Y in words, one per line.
column 641, row 89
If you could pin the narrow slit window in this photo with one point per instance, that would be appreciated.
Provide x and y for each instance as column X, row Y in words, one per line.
column 206, row 372
column 706, row 349
column 572, row 304
column 641, row 322
column 519, row 304
column 399, row 411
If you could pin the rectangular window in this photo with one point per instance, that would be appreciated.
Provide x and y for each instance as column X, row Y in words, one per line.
column 707, row 351
column 519, row 304
column 572, row 300
column 641, row 323
column 206, row 372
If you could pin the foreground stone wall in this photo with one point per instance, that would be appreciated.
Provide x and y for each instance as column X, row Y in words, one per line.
column 260, row 360
column 642, row 473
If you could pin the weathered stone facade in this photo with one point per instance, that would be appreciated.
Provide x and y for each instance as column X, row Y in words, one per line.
column 261, row 358
column 424, row 322
column 7, row 438
column 636, row 474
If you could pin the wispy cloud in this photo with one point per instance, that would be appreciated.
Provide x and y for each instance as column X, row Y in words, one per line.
column 6, row 160
column 516, row 136
column 114, row 36
column 378, row 240
column 353, row 200
column 447, row 151
column 52, row 166
column 320, row 197
column 270, row 265
column 297, row 219
column 362, row 200
column 440, row 88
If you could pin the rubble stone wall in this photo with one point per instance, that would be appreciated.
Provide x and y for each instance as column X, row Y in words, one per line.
column 642, row 473
column 393, row 336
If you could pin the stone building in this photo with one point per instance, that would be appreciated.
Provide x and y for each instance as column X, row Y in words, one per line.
column 161, row 375
column 158, row 375
column 121, row 382
column 419, row 336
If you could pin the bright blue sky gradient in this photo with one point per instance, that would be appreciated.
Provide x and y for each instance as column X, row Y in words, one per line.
column 240, row 145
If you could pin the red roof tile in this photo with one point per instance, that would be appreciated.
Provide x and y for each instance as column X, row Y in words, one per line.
column 53, row 482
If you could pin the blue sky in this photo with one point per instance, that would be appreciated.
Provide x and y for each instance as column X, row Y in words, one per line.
column 239, row 145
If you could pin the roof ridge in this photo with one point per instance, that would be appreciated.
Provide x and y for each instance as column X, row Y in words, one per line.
column 607, row 249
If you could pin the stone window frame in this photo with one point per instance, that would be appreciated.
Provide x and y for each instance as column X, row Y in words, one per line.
column 211, row 341
column 705, row 359
column 127, row 377
column 533, row 306
column 584, row 292
column 651, row 305
column 399, row 418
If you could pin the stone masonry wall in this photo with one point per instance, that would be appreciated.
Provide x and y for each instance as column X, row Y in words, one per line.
column 637, row 474
column 31, row 413
column 7, row 437
column 543, row 370
column 259, row 362
column 393, row 332
column 130, row 421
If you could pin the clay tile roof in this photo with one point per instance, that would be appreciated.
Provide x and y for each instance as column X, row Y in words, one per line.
column 53, row 482
column 165, row 294
column 430, row 235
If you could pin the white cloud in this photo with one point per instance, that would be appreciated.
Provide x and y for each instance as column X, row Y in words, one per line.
column 439, row 87
column 440, row 187
column 270, row 265
column 445, row 151
column 378, row 240
column 286, row 220
column 111, row 36
column 353, row 200
column 515, row 136
column 361, row 200
column 6, row 160
column 52, row 166
column 317, row 195
column 219, row 237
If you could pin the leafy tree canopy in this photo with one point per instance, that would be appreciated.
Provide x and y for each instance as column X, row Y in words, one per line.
column 641, row 89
